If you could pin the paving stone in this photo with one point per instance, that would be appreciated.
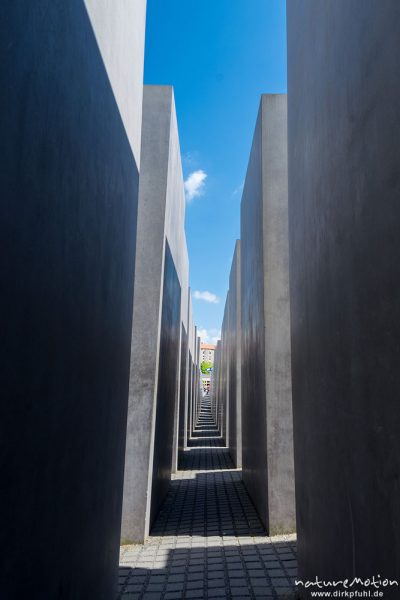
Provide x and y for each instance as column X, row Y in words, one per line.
column 194, row 594
column 197, row 576
column 218, row 593
column 216, row 583
column 176, row 578
column 174, row 587
column 237, row 574
column 178, row 570
column 196, row 569
column 259, row 573
column 215, row 567
column 280, row 582
column 276, row 572
column 260, row 582
column 137, row 579
column 214, row 561
column 215, row 574
column 286, row 593
column 154, row 587
column 272, row 564
column 194, row 585
column 254, row 565
column 263, row 592
column 238, row 583
column 240, row 592
column 131, row 587
column 289, row 563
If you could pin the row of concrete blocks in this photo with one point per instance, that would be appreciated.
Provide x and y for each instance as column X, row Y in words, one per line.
column 329, row 350
column 95, row 303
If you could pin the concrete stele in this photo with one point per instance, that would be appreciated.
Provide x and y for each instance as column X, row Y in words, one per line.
column 267, row 424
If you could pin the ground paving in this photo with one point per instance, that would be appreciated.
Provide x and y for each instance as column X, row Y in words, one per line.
column 208, row 541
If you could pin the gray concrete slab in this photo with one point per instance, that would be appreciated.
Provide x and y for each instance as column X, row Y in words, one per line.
column 119, row 32
column 191, row 351
column 161, row 268
column 225, row 373
column 267, row 427
column 235, row 361
column 217, row 379
column 181, row 396
column 168, row 384
column 344, row 212
column 193, row 397
column 69, row 181
column 185, row 380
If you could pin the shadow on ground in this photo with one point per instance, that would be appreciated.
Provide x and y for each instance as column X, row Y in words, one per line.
column 239, row 570
column 207, row 540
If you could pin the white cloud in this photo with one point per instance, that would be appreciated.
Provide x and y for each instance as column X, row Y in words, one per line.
column 206, row 296
column 194, row 184
column 209, row 336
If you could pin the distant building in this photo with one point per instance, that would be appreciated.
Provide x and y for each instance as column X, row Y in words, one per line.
column 207, row 353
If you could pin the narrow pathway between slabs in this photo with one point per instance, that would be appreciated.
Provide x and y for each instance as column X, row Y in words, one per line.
column 208, row 541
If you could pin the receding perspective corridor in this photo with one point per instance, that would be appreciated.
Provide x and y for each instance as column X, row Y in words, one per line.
column 208, row 541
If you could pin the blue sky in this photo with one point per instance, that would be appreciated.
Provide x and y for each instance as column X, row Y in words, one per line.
column 220, row 56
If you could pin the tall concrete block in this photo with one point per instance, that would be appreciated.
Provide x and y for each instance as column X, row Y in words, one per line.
column 196, row 394
column 213, row 390
column 70, row 124
column 199, row 381
column 160, row 273
column 167, row 386
column 190, row 399
column 193, row 396
column 185, row 381
column 344, row 213
column 225, row 373
column 218, row 358
column 183, row 392
column 191, row 352
column 235, row 361
column 267, row 429
column 181, row 396
column 217, row 384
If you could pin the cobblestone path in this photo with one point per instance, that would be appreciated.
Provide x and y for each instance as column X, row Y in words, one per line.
column 208, row 541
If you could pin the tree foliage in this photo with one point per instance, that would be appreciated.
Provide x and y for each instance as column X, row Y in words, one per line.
column 204, row 366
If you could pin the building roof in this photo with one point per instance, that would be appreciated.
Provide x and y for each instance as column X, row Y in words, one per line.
column 207, row 347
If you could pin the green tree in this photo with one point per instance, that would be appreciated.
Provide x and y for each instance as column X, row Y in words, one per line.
column 204, row 366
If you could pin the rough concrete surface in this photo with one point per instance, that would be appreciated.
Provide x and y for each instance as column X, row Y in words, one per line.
column 161, row 239
column 235, row 361
column 344, row 213
column 224, row 374
column 168, row 384
column 267, row 424
column 183, row 393
column 69, row 183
